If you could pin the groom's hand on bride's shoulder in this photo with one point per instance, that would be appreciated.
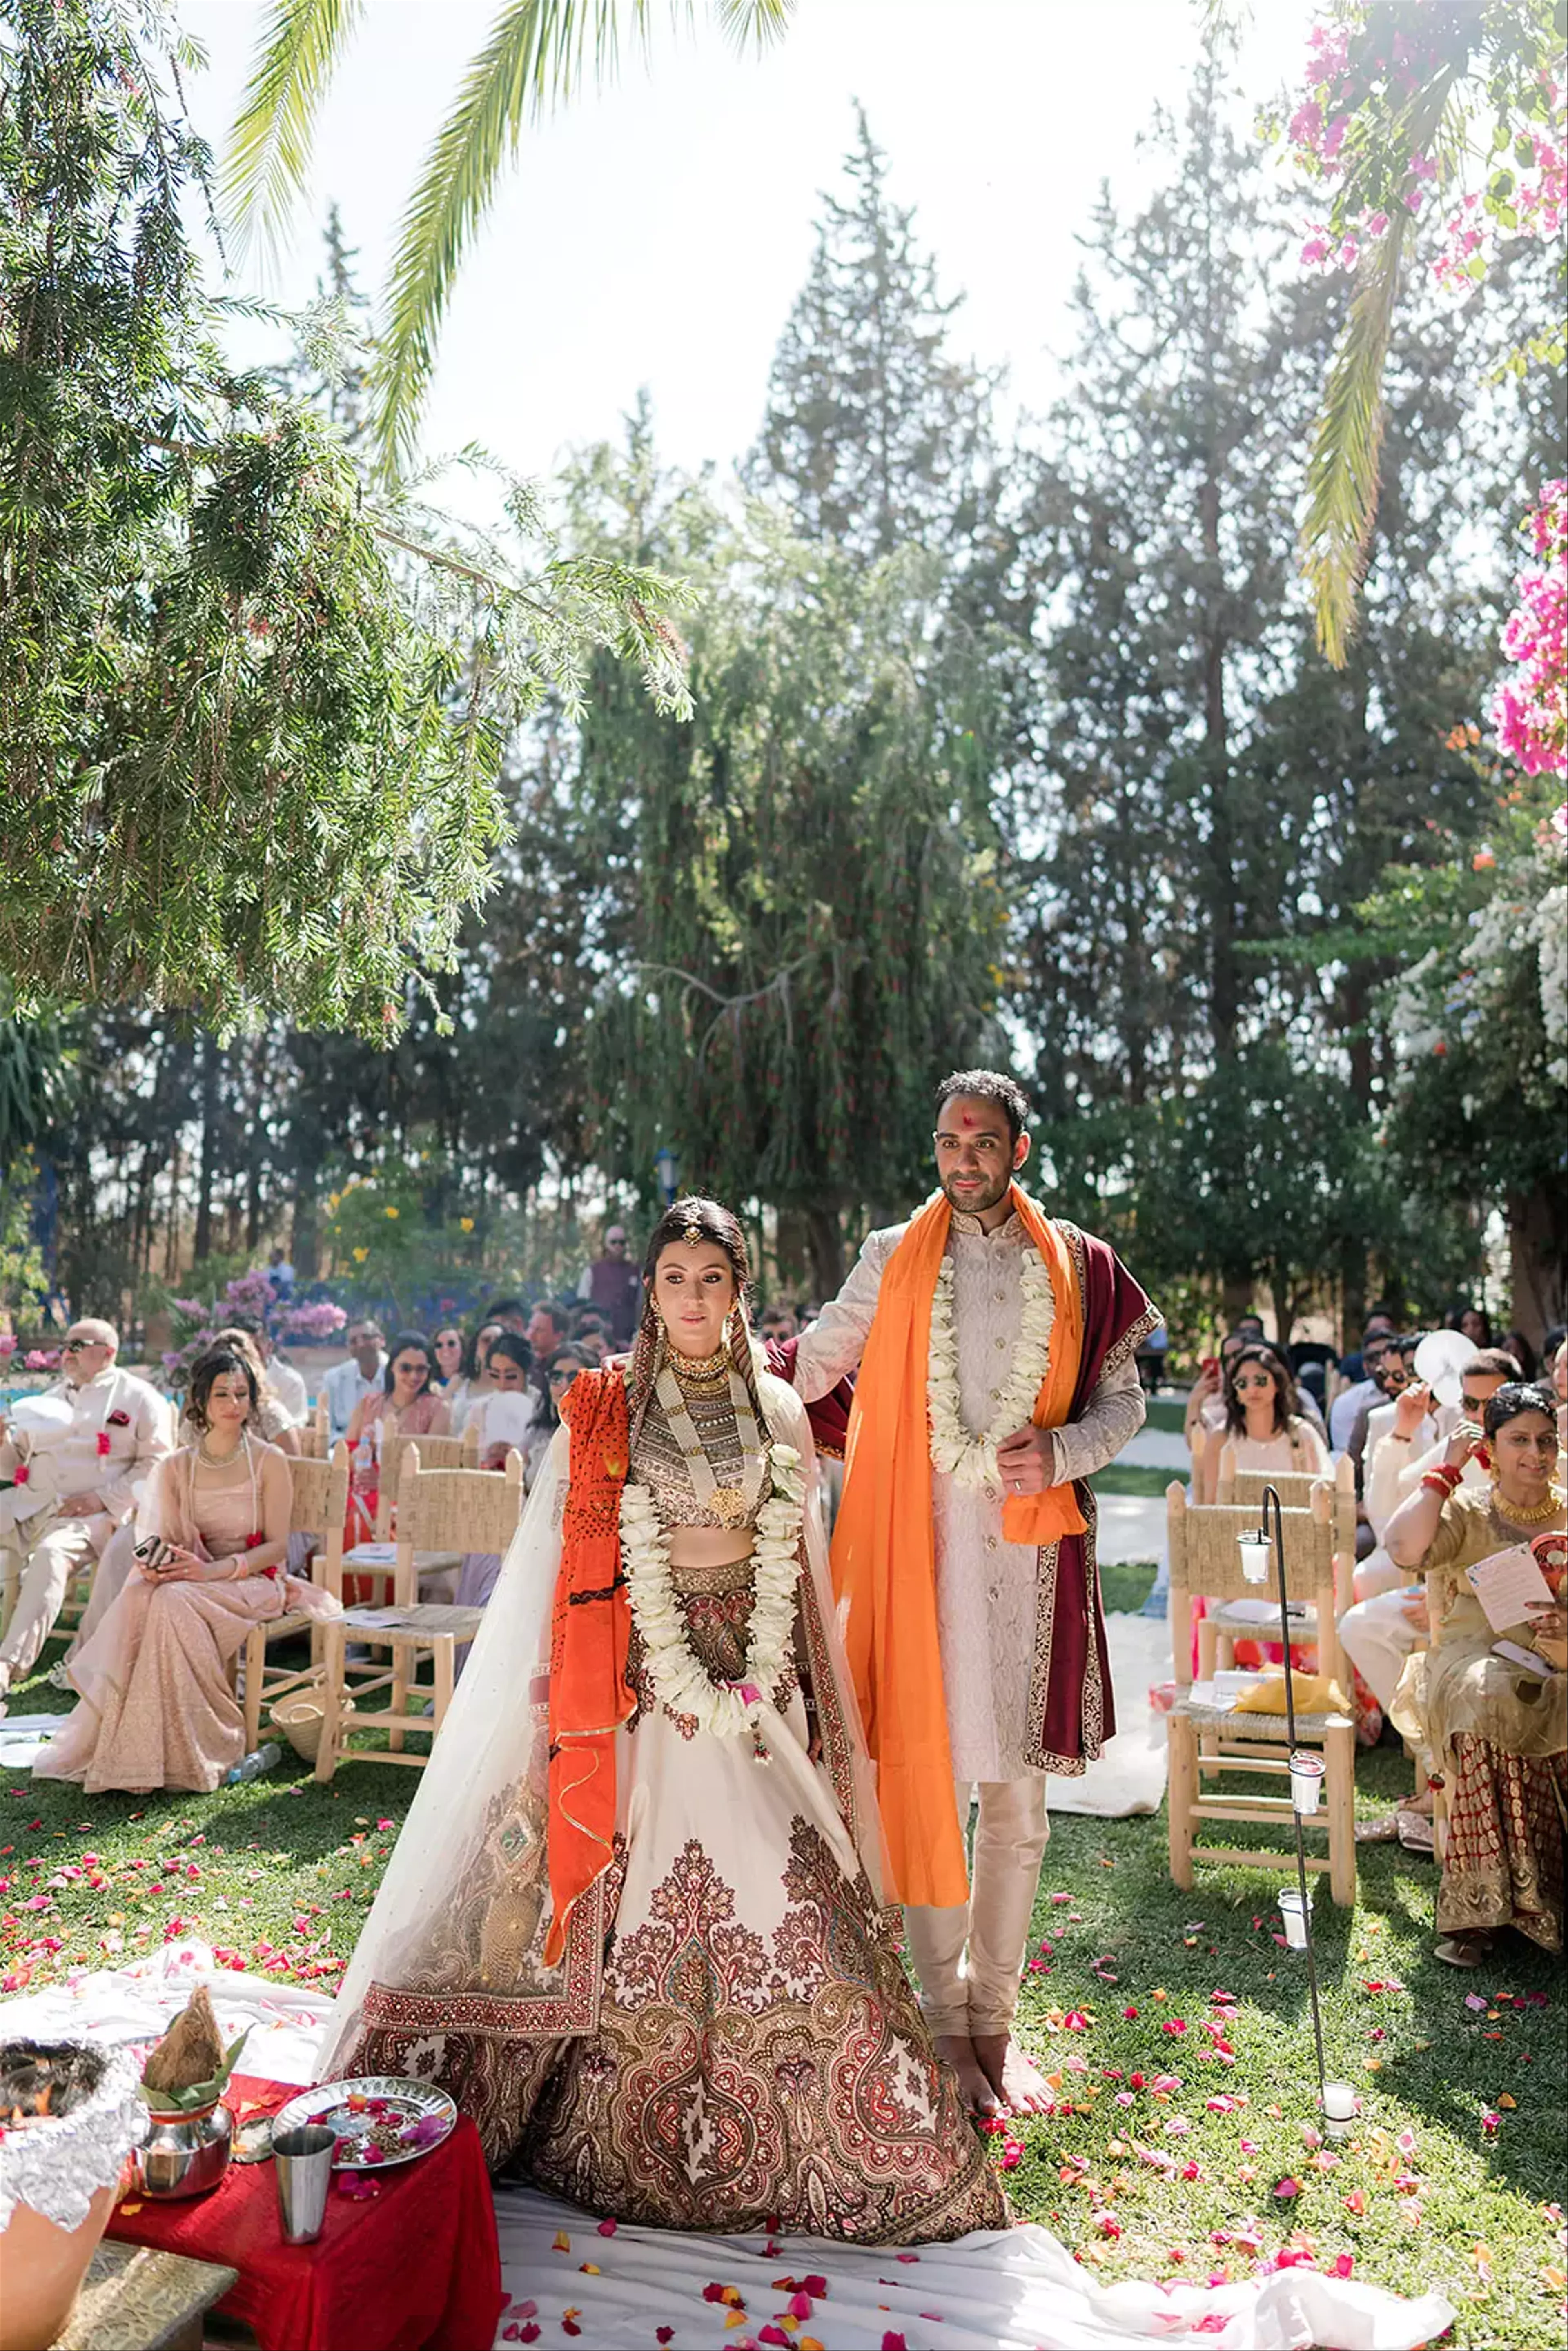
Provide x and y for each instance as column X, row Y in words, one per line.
column 1027, row 1460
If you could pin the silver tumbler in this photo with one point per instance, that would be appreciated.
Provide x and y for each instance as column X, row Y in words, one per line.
column 304, row 2161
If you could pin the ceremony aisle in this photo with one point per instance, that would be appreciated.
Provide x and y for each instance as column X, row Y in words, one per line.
column 1168, row 2156
column 566, row 2274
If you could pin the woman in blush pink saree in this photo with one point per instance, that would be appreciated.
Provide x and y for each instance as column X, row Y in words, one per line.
column 156, row 1710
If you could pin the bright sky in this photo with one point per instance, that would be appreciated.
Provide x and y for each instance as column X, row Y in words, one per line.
column 656, row 234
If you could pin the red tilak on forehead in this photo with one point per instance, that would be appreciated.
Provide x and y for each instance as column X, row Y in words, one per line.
column 967, row 1117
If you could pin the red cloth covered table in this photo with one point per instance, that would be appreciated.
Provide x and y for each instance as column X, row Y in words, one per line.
column 416, row 2267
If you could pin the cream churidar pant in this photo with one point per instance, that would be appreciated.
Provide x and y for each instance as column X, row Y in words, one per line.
column 969, row 1958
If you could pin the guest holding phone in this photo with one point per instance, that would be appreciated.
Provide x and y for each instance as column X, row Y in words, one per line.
column 156, row 1707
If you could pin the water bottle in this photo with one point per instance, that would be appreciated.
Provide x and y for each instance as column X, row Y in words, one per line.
column 252, row 1766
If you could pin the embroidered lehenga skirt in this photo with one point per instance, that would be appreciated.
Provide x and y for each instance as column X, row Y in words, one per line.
column 732, row 2042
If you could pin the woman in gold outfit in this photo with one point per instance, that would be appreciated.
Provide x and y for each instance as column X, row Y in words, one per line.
column 1496, row 1730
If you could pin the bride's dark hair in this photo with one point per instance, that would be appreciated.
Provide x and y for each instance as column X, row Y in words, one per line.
column 695, row 1218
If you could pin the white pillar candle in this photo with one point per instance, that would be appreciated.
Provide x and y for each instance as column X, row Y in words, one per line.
column 1339, row 2109
column 1254, row 1558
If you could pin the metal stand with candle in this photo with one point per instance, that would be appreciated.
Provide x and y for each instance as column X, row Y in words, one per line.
column 1338, row 2098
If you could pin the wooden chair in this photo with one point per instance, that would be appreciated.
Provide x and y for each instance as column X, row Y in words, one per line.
column 1245, row 1620
column 319, row 1506
column 435, row 1453
column 315, row 1436
column 1206, row 1563
column 445, row 1510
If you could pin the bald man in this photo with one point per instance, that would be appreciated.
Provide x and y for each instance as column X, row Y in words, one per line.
column 119, row 1427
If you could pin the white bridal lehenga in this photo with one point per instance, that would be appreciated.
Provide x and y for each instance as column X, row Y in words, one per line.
column 729, row 2041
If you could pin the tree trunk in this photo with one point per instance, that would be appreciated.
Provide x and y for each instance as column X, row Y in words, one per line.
column 1537, row 1261
column 211, row 1058
column 827, row 1245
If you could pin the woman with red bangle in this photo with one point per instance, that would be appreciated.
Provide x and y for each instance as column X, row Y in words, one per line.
column 1497, row 1732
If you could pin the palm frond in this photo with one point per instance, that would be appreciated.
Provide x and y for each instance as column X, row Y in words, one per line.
column 268, row 161
column 535, row 58
column 1347, row 442
column 754, row 23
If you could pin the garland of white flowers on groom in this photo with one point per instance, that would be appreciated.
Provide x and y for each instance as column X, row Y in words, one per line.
column 679, row 1679
column 970, row 1459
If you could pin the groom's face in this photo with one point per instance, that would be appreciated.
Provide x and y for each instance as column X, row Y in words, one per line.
column 975, row 1153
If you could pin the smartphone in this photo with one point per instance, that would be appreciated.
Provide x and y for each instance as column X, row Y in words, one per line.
column 1210, row 1366
column 154, row 1552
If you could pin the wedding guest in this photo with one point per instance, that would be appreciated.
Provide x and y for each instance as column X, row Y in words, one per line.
column 1473, row 1321
column 511, row 1314
column 406, row 1404
column 273, row 1421
column 777, row 1321
column 1346, row 1406
column 450, row 1350
column 547, row 1330
column 156, row 1707
column 1260, row 1423
column 512, row 1405
column 287, row 1384
column 348, row 1383
column 613, row 1284
column 1498, row 1732
column 1388, row 1622
column 121, row 1428
column 1524, row 1355
column 473, row 1384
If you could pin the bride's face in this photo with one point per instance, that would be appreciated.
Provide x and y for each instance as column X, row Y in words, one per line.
column 694, row 1290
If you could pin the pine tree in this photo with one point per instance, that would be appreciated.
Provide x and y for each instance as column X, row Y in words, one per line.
column 875, row 436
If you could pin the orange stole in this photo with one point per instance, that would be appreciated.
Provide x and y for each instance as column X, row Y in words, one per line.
column 884, row 1560
column 590, row 1631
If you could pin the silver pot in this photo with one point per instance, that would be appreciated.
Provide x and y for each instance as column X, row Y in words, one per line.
column 184, row 2154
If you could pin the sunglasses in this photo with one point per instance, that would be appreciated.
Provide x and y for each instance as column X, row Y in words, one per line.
column 1262, row 1381
column 80, row 1346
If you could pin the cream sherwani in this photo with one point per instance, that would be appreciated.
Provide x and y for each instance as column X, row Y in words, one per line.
column 121, row 1428
column 986, row 1596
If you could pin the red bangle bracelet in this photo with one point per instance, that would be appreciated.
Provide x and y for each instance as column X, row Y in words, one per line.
column 1440, row 1481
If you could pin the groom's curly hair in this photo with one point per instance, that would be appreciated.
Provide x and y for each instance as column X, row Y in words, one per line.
column 992, row 1086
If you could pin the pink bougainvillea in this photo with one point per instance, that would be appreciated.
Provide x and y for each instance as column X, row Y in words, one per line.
column 1531, row 711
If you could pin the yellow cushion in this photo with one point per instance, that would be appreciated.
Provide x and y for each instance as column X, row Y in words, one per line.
column 1314, row 1693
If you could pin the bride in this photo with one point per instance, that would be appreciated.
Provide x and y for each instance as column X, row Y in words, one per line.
column 632, row 1923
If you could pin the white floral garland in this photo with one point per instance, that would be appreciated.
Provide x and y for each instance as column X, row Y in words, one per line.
column 970, row 1460
column 678, row 1677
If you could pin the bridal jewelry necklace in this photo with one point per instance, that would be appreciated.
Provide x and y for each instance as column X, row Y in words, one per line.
column 968, row 1457
column 731, row 1505
column 1529, row 1514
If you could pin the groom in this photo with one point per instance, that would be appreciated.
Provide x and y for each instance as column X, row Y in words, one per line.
column 995, row 1348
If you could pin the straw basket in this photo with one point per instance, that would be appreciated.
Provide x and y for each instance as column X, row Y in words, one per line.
column 299, row 1717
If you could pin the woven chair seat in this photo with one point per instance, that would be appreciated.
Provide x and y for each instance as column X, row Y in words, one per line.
column 1259, row 1726
column 1253, row 1620
column 426, row 1622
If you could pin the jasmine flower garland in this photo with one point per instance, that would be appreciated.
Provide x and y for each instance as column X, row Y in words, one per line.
column 679, row 1679
column 970, row 1458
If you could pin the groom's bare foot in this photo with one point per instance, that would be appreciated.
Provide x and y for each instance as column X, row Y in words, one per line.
column 957, row 2049
column 1016, row 2079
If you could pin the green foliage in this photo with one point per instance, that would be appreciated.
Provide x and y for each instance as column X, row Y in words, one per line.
column 23, row 1281
column 391, row 1242
column 537, row 55
column 251, row 750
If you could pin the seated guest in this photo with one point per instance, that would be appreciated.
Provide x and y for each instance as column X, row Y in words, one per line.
column 275, row 1423
column 1266, row 1434
column 560, row 1373
column 1525, row 1355
column 1473, row 1321
column 282, row 1380
column 547, row 1330
column 1498, row 1733
column 1388, row 1622
column 1394, row 1371
column 506, row 1413
column 406, row 1404
column 450, row 1347
column 348, row 1383
column 156, row 1707
column 1364, row 1391
column 510, row 1313
column 591, row 1336
column 1205, row 1398
column 1353, row 1367
column 465, row 1391
column 777, row 1321
column 121, row 1428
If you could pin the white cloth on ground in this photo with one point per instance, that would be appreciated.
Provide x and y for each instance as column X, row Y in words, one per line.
column 1012, row 2290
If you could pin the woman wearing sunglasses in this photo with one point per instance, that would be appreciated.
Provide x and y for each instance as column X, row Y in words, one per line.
column 1260, row 1423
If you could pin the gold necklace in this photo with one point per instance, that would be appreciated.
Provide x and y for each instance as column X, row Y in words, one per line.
column 1529, row 1514
column 700, row 1370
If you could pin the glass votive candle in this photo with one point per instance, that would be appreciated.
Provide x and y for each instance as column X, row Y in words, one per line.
column 1254, row 1551
column 1294, row 1910
column 1306, row 1780
column 1339, row 2109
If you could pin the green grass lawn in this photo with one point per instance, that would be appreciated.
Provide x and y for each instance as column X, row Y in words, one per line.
column 1132, row 1478
column 1168, row 2184
column 1166, row 1411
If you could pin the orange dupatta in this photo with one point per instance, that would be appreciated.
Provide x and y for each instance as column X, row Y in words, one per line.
column 590, row 1634
column 884, row 1557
